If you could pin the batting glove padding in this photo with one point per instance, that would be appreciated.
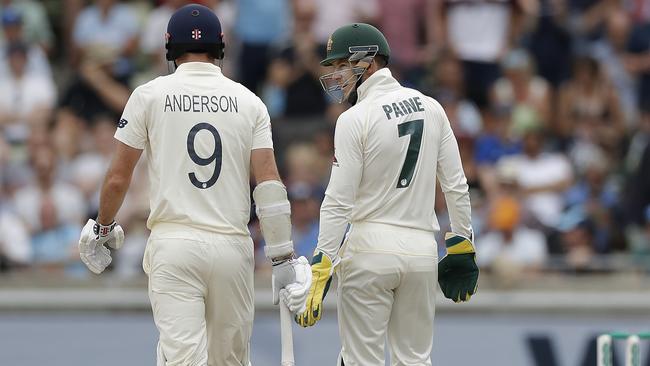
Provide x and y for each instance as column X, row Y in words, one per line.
column 321, row 272
column 293, row 275
column 91, row 244
column 457, row 271
column 295, row 294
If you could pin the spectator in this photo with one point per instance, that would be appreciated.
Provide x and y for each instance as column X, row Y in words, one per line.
column 108, row 26
column 597, row 195
column 37, row 62
column 293, row 88
column 478, row 32
column 611, row 52
column 588, row 19
column 88, row 169
column 414, row 38
column 637, row 61
column 152, row 40
column 97, row 90
column 550, row 42
column 15, row 248
column 67, row 200
column 328, row 17
column 637, row 168
column 259, row 25
column 639, row 239
column 55, row 241
column 36, row 29
column 305, row 206
column 542, row 177
column 463, row 114
column 495, row 141
column 589, row 108
column 304, row 163
column 26, row 98
column 577, row 236
column 508, row 242
column 638, row 10
column 521, row 88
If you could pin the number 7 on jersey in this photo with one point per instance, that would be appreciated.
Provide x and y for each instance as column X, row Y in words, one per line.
column 413, row 128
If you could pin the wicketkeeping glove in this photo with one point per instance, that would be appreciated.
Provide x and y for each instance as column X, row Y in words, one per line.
column 91, row 244
column 457, row 271
column 321, row 278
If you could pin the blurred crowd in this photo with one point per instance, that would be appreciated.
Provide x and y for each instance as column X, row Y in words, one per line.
column 549, row 101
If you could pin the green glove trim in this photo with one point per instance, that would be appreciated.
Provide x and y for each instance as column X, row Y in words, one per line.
column 457, row 244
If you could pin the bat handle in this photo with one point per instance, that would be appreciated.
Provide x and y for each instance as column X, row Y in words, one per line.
column 286, row 334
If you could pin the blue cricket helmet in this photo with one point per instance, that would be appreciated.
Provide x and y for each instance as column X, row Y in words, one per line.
column 194, row 29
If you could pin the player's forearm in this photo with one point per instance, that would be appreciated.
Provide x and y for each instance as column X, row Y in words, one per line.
column 454, row 184
column 111, row 198
column 334, row 220
column 460, row 212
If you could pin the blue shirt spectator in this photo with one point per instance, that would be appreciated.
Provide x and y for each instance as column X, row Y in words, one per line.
column 114, row 29
column 490, row 148
column 263, row 21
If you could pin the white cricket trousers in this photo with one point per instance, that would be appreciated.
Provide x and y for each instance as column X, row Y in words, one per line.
column 201, row 293
column 386, row 294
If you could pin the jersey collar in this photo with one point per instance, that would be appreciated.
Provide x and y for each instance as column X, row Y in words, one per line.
column 198, row 66
column 381, row 81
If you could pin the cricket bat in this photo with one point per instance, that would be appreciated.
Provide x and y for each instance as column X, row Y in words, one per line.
column 286, row 335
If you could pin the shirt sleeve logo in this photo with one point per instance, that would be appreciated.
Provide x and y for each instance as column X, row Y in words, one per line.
column 123, row 122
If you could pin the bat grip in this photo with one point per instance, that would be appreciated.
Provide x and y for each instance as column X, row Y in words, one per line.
column 286, row 334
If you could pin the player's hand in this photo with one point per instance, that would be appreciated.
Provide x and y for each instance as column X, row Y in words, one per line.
column 457, row 271
column 294, row 276
column 295, row 294
column 321, row 271
column 91, row 244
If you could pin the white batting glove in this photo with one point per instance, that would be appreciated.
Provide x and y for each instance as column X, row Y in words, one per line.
column 91, row 244
column 291, row 282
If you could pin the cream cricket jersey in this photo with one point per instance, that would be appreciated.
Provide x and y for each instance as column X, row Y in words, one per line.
column 389, row 149
column 198, row 128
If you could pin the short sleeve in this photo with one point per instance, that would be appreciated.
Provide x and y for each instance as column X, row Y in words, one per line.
column 132, row 127
column 262, row 137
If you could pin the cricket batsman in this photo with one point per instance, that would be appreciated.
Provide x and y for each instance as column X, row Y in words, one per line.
column 204, row 135
column 390, row 147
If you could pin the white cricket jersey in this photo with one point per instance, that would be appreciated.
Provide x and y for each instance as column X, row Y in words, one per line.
column 198, row 128
column 389, row 149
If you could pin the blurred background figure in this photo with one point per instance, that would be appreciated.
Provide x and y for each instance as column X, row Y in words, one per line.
column 35, row 27
column 508, row 245
column 542, row 177
column 15, row 247
column 549, row 101
column 557, row 92
column 520, row 88
column 415, row 40
column 26, row 96
column 292, row 88
column 259, row 25
column 480, row 33
column 577, row 242
column 13, row 31
column 152, row 39
column 305, row 209
column 48, row 189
